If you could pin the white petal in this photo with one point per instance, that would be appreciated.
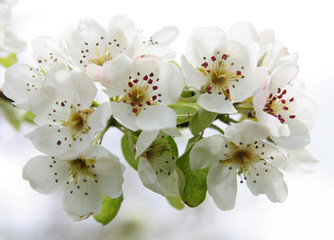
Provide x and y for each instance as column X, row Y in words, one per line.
column 148, row 176
column 193, row 77
column 170, row 83
column 98, row 119
column 203, row 42
column 11, row 43
column 306, row 111
column 277, row 129
column 299, row 136
column 174, row 132
column 246, row 87
column 77, row 88
column 45, row 174
column 246, row 132
column 109, row 173
column 123, row 113
column 165, row 35
column 270, row 183
column 222, row 186
column 20, row 83
column 207, row 152
column 115, row 75
column 282, row 76
column 156, row 117
column 246, row 29
column 216, row 103
column 80, row 203
column 145, row 140
column 302, row 160
column 123, row 29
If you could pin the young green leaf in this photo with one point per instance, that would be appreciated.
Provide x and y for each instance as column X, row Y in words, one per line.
column 175, row 202
column 9, row 60
column 109, row 209
column 128, row 143
column 195, row 188
column 201, row 121
column 184, row 112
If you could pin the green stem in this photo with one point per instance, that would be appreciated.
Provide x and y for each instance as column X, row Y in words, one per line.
column 213, row 126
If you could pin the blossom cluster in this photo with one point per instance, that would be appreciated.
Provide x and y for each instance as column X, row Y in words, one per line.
column 114, row 77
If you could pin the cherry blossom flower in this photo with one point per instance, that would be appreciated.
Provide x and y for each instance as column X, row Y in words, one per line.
column 142, row 90
column 22, row 81
column 157, row 166
column 67, row 123
column 224, row 69
column 84, row 178
column 242, row 152
column 289, row 115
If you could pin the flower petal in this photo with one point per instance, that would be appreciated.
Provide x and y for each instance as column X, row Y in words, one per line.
column 222, row 186
column 165, row 35
column 269, row 182
column 216, row 103
column 156, row 117
column 193, row 77
column 45, row 174
column 80, row 203
column 207, row 152
column 123, row 113
column 145, row 140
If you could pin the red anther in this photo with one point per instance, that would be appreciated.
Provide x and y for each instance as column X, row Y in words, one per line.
column 279, row 116
column 274, row 98
column 224, row 57
column 140, row 105
column 62, row 104
column 145, row 77
column 130, row 84
column 227, row 91
column 292, row 116
column 150, row 81
column 129, row 94
column 280, row 96
column 278, row 90
column 291, row 99
column 284, row 92
column 148, row 102
column 135, row 81
column 238, row 72
column 154, row 97
column 208, row 88
column 282, row 120
column 213, row 58
column 133, row 104
column 283, row 101
column 271, row 95
column 134, row 110
column 155, row 87
column 285, row 108
column 205, row 65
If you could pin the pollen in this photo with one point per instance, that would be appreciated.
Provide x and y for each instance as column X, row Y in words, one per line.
column 77, row 121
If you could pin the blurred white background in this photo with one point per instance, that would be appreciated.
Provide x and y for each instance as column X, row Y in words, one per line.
column 305, row 27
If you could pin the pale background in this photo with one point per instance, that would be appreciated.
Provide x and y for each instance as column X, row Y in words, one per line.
column 305, row 27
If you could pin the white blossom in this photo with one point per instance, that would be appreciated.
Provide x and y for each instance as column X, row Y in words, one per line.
column 223, row 68
column 22, row 81
column 67, row 122
column 142, row 89
column 242, row 152
column 84, row 179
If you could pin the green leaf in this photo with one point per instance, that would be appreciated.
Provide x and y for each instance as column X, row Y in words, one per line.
column 195, row 188
column 109, row 209
column 201, row 121
column 175, row 202
column 128, row 144
column 14, row 115
column 184, row 112
column 9, row 60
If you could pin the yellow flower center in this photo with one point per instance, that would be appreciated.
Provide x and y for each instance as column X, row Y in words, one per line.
column 77, row 121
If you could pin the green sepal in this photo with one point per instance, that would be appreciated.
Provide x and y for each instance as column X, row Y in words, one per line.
column 9, row 60
column 201, row 121
column 185, row 112
column 195, row 187
column 109, row 209
column 175, row 202
column 128, row 144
